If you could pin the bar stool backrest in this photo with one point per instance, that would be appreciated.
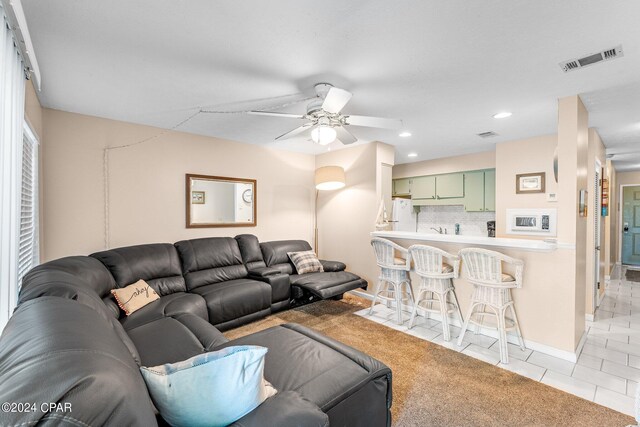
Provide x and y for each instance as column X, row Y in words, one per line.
column 485, row 267
column 385, row 251
column 428, row 262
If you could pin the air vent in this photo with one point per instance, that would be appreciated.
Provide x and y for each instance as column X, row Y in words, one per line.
column 489, row 134
column 605, row 55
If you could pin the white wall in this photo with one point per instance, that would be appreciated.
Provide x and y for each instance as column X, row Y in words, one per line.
column 147, row 185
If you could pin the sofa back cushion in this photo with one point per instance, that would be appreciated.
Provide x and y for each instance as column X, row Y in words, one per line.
column 210, row 260
column 157, row 264
column 250, row 251
column 78, row 278
column 275, row 253
column 57, row 351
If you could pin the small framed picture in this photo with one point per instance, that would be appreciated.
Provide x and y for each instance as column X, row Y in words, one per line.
column 197, row 197
column 530, row 183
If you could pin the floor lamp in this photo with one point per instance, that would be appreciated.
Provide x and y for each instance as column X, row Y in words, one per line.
column 327, row 178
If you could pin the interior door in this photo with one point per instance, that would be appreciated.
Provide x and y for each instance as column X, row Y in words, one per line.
column 596, row 232
column 631, row 225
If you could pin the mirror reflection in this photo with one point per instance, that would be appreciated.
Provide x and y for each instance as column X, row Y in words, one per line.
column 214, row 201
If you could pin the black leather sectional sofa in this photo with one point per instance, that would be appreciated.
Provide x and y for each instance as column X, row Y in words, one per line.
column 68, row 343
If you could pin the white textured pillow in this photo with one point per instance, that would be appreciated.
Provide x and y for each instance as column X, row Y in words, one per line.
column 210, row 389
column 305, row 262
column 135, row 296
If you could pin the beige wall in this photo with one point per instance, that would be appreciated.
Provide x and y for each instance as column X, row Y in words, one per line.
column 475, row 161
column 147, row 185
column 346, row 217
column 573, row 144
column 622, row 178
column 523, row 156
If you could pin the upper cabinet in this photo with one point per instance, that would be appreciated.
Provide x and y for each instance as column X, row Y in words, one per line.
column 490, row 190
column 473, row 189
column 423, row 187
column 402, row 187
column 450, row 186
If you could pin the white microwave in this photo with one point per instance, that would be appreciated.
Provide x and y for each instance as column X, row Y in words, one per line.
column 535, row 222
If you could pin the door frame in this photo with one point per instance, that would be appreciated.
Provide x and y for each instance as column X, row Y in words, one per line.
column 597, row 223
column 619, row 226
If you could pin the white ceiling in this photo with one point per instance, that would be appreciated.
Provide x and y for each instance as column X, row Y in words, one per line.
column 443, row 67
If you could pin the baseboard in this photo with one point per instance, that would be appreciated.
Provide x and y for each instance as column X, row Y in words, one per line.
column 513, row 339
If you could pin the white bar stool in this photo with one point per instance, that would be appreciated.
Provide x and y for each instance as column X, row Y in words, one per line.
column 492, row 289
column 435, row 279
column 394, row 275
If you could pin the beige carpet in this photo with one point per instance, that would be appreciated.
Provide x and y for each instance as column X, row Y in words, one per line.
column 435, row 386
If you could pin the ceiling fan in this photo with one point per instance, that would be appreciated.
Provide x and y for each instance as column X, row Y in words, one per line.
column 325, row 122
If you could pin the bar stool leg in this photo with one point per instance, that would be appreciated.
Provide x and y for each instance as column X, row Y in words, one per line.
column 476, row 331
column 398, row 288
column 515, row 321
column 458, row 311
column 414, row 312
column 502, row 331
column 375, row 295
column 442, row 299
column 466, row 323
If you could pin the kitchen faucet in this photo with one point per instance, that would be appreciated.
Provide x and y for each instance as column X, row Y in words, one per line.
column 439, row 230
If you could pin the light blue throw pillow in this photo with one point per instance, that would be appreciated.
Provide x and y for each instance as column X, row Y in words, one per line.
column 210, row 389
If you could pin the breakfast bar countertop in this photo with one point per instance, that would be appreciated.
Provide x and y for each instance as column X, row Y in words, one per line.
column 501, row 242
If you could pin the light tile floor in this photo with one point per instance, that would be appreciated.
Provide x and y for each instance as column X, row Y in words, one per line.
column 608, row 368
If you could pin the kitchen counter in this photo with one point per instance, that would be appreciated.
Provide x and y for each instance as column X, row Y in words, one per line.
column 501, row 242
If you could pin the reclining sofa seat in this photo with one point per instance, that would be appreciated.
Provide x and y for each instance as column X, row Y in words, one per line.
column 213, row 269
column 332, row 282
column 178, row 317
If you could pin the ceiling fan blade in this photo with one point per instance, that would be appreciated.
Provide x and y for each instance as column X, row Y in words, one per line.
column 374, row 122
column 297, row 131
column 344, row 135
column 335, row 100
column 271, row 113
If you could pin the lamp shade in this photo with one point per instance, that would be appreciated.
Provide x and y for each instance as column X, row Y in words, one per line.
column 329, row 178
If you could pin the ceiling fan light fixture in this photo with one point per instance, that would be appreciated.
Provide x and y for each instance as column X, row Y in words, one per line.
column 323, row 135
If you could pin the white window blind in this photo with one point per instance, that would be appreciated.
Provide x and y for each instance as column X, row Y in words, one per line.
column 12, row 91
column 28, row 234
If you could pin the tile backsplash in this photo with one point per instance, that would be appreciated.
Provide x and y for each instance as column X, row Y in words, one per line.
column 471, row 223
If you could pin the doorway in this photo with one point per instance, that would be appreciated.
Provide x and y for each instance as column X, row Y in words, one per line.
column 631, row 225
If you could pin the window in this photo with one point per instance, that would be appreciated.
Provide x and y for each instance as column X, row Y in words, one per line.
column 28, row 251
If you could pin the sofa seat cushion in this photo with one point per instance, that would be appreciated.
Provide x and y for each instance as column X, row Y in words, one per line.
column 328, row 284
column 173, row 339
column 318, row 368
column 167, row 306
column 235, row 299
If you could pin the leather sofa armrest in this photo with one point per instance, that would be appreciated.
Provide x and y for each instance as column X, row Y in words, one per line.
column 332, row 265
column 263, row 271
column 285, row 409
column 280, row 286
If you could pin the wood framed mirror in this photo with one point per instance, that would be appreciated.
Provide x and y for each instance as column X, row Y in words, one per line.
column 219, row 201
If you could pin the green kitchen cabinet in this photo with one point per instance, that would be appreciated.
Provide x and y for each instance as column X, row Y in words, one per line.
column 474, row 191
column 423, row 187
column 490, row 190
column 450, row 186
column 402, row 186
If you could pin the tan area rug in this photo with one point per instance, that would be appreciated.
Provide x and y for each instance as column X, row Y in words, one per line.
column 435, row 386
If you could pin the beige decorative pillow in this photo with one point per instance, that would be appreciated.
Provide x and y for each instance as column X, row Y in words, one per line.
column 305, row 261
column 134, row 296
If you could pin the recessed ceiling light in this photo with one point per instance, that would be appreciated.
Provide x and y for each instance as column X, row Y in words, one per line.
column 404, row 134
column 502, row 115
column 412, row 155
